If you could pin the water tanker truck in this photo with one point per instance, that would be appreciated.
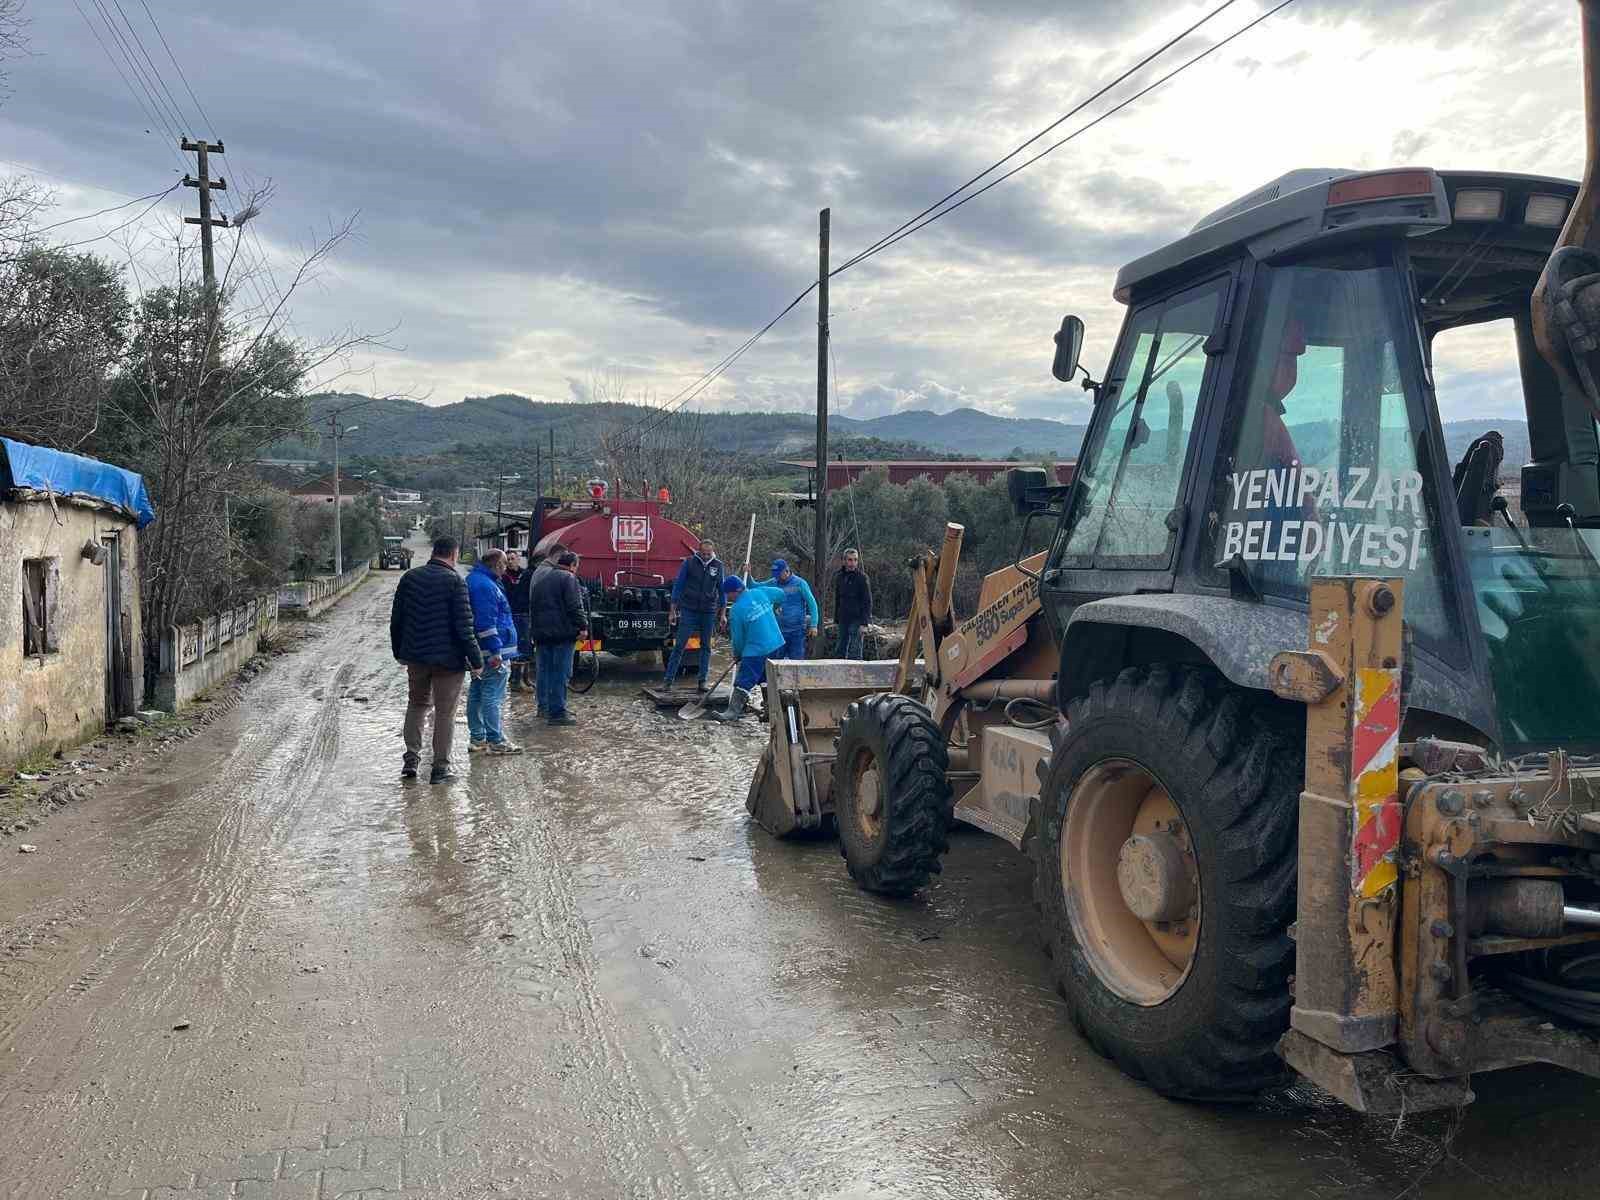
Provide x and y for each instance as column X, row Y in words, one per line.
column 628, row 552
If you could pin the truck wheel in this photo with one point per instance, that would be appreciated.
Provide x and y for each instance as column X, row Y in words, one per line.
column 1165, row 870
column 891, row 795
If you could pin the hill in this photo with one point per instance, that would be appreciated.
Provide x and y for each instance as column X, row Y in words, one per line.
column 393, row 429
column 387, row 427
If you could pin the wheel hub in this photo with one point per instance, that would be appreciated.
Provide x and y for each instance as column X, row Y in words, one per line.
column 1130, row 881
column 1155, row 877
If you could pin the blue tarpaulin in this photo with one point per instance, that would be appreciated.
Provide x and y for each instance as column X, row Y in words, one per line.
column 33, row 468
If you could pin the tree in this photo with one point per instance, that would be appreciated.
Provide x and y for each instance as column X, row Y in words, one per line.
column 64, row 323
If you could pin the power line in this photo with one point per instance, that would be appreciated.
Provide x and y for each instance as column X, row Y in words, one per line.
column 204, row 116
column 1057, row 123
column 104, row 49
column 160, row 196
column 157, row 196
column 155, row 72
column 694, row 389
column 1054, row 146
column 119, row 40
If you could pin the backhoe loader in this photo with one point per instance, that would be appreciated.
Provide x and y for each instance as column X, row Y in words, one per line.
column 1298, row 719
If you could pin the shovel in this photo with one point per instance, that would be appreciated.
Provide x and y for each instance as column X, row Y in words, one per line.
column 697, row 706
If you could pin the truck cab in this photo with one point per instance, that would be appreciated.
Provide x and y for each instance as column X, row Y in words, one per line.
column 1270, row 415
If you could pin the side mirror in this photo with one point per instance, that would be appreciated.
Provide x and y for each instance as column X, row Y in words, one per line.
column 1021, row 480
column 1069, row 345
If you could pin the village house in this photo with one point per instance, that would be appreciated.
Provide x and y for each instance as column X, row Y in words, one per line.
column 351, row 489
column 71, row 657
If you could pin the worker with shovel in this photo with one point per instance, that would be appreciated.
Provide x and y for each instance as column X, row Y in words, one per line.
column 753, row 631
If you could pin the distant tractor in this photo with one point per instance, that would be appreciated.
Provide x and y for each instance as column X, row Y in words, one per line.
column 394, row 556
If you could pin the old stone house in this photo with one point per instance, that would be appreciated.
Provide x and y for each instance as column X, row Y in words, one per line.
column 71, row 661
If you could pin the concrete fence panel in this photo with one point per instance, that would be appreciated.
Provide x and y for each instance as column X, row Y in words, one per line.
column 197, row 657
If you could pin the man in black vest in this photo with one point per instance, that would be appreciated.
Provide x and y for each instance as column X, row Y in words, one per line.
column 432, row 633
column 696, row 607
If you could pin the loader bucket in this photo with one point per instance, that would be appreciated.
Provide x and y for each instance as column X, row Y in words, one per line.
column 805, row 700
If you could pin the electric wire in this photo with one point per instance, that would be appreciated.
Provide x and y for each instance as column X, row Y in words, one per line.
column 104, row 49
column 1082, row 129
column 686, row 394
column 172, row 102
column 134, row 220
column 121, row 41
column 104, row 211
column 1056, row 124
column 210, row 126
column 934, row 212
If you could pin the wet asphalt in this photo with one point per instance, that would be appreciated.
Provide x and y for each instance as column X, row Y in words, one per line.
column 584, row 972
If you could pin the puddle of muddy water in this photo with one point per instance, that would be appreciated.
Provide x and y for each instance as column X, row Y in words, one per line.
column 583, row 971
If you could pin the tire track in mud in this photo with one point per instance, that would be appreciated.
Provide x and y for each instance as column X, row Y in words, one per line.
column 170, row 933
column 685, row 1106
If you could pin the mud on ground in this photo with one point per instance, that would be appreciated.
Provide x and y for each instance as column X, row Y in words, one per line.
column 258, row 964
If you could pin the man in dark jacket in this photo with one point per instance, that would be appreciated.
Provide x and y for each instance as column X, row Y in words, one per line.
column 852, row 604
column 431, row 632
column 696, row 606
column 520, row 589
column 556, row 619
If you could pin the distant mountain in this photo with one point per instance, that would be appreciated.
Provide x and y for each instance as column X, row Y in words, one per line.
column 386, row 428
column 392, row 428
column 979, row 434
column 1458, row 435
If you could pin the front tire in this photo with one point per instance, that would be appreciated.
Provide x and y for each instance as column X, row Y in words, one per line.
column 1165, row 870
column 891, row 794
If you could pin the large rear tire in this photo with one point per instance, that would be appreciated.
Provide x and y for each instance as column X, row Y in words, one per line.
column 1165, row 870
column 891, row 794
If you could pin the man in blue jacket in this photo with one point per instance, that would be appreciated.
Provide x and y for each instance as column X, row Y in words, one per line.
column 696, row 607
column 798, row 617
column 753, row 631
column 497, row 639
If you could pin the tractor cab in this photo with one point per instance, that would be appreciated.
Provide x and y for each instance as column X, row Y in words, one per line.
column 1270, row 415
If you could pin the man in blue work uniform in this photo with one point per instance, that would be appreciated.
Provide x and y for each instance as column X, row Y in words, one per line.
column 753, row 631
column 696, row 607
column 798, row 617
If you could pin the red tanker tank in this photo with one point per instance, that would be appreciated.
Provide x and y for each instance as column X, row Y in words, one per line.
column 628, row 555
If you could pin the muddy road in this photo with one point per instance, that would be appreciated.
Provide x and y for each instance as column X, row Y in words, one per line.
column 583, row 973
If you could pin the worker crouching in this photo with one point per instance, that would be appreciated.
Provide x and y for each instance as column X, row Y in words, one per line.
column 753, row 632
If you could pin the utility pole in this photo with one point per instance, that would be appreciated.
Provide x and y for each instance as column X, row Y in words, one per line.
column 538, row 475
column 338, row 530
column 819, row 557
column 205, row 220
column 336, row 433
column 552, row 459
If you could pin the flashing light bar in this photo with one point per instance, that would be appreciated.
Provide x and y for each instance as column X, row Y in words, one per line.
column 1385, row 185
column 1479, row 204
column 1546, row 210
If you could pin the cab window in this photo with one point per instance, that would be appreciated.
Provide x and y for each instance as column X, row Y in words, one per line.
column 1324, row 477
column 1125, row 511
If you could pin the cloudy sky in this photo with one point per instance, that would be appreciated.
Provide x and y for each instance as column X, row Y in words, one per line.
column 558, row 192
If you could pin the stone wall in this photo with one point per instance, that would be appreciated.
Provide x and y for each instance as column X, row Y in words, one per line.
column 312, row 596
column 195, row 658
column 57, row 698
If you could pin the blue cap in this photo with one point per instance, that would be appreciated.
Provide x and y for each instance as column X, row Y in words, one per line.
column 779, row 566
column 732, row 584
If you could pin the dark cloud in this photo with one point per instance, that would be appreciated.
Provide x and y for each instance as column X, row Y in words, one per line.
column 549, row 189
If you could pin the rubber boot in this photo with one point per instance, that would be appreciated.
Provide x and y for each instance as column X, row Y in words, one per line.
column 735, row 708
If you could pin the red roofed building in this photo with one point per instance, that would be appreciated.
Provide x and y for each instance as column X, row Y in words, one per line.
column 901, row 470
column 350, row 490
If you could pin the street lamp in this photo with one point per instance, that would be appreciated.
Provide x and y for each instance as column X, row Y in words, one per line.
column 338, row 532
